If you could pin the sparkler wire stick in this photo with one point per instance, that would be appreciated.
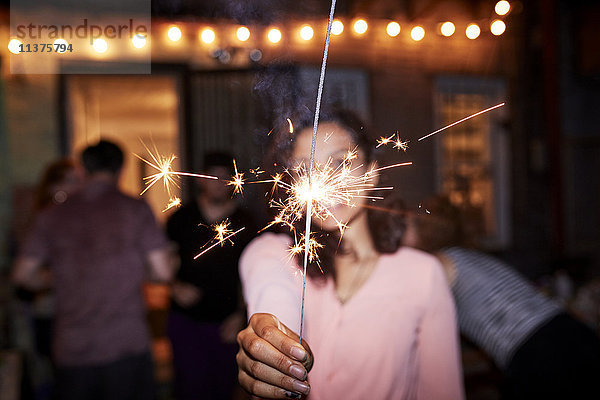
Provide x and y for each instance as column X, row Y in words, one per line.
column 312, row 159
column 462, row 120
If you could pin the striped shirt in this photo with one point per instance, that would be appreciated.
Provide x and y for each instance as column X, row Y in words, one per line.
column 497, row 308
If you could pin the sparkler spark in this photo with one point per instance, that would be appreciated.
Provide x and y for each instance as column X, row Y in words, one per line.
column 291, row 126
column 400, row 145
column 173, row 202
column 395, row 140
column 313, row 245
column 382, row 141
column 223, row 233
column 237, row 180
column 164, row 166
column 462, row 120
column 222, row 230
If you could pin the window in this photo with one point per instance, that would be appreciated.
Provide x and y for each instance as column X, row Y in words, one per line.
column 473, row 157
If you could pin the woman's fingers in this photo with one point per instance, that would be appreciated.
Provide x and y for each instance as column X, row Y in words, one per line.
column 260, row 350
column 263, row 389
column 270, row 375
column 269, row 328
column 271, row 359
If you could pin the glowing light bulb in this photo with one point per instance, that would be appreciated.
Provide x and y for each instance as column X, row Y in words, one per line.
column 100, row 45
column 393, row 29
column 306, row 32
column 138, row 41
column 473, row 31
column 337, row 27
column 14, row 46
column 502, row 7
column 60, row 45
column 360, row 26
column 174, row 33
column 497, row 27
column 208, row 35
column 243, row 33
column 417, row 33
column 447, row 29
column 274, row 35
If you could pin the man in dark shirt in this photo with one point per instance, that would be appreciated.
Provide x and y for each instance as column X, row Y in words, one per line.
column 206, row 308
column 98, row 245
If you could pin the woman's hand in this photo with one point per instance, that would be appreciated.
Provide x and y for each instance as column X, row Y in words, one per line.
column 271, row 361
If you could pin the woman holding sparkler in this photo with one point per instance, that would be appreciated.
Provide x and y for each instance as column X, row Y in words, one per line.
column 379, row 317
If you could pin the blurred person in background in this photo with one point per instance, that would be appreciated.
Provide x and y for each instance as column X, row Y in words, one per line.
column 97, row 244
column 207, row 311
column 59, row 180
column 543, row 352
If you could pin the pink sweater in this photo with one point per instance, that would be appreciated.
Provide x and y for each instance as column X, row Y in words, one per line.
column 396, row 338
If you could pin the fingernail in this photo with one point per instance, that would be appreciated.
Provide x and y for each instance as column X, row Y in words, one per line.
column 292, row 395
column 301, row 387
column 298, row 353
column 298, row 372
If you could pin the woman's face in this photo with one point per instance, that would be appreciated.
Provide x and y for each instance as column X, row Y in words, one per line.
column 333, row 143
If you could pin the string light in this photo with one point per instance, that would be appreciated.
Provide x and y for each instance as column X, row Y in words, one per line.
column 274, row 35
column 497, row 27
column 473, row 31
column 100, row 45
column 14, row 46
column 243, row 33
column 208, row 35
column 138, row 41
column 337, row 27
column 360, row 26
column 417, row 33
column 393, row 29
column 306, row 32
column 60, row 45
column 502, row 7
column 447, row 29
column 174, row 33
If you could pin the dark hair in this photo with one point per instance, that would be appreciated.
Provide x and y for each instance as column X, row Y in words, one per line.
column 385, row 218
column 283, row 142
column 218, row 159
column 104, row 156
column 442, row 226
column 54, row 174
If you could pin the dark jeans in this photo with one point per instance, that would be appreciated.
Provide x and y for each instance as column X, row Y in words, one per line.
column 560, row 361
column 129, row 378
column 205, row 367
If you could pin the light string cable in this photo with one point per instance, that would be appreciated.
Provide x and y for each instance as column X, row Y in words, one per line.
column 312, row 159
